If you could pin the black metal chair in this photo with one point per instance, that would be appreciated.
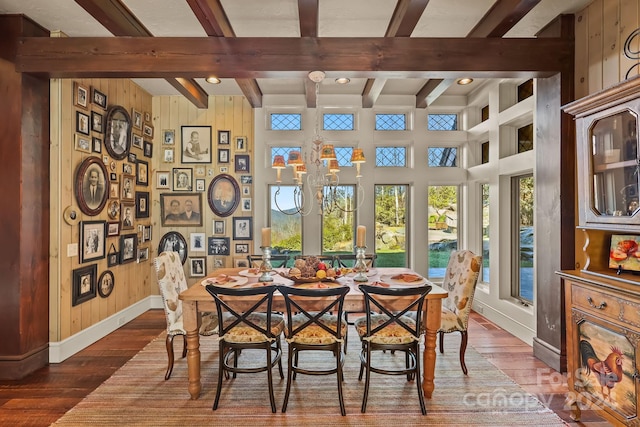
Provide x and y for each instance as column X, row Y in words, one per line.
column 315, row 330
column 386, row 326
column 349, row 260
column 253, row 328
column 277, row 261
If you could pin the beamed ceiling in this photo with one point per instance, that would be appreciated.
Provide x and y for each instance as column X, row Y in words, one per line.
column 267, row 47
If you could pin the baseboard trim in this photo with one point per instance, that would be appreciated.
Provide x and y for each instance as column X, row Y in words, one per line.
column 508, row 324
column 549, row 355
column 62, row 350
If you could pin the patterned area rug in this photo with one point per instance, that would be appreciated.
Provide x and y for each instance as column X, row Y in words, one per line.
column 138, row 395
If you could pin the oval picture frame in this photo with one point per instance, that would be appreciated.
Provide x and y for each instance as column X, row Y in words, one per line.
column 223, row 195
column 117, row 133
column 90, row 204
column 106, row 282
column 174, row 242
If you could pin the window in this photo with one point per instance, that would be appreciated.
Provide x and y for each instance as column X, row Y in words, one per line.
column 484, row 208
column 343, row 155
column 442, row 122
column 485, row 152
column 525, row 138
column 485, row 113
column 285, row 219
column 391, row 122
column 282, row 151
column 338, row 220
column 391, row 156
column 337, row 122
column 443, row 157
column 391, row 227
column 443, row 227
column 522, row 240
column 525, row 90
column 287, row 121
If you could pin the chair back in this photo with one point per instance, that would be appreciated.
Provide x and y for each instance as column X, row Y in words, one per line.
column 349, row 260
column 277, row 261
column 171, row 281
column 384, row 301
column 460, row 279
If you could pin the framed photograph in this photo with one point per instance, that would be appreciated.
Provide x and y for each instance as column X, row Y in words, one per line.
column 142, row 204
column 200, row 184
column 126, row 210
column 92, row 240
column 147, row 117
column 142, row 172
column 218, row 246
column 223, row 137
column 132, row 157
column 113, row 176
column 198, row 267
column 242, row 248
column 241, row 144
column 113, row 209
column 246, row 190
column 218, row 227
column 167, row 155
column 223, row 155
column 143, row 254
column 148, row 149
column 91, row 186
column 113, row 228
column 182, row 179
column 84, row 284
column 96, row 122
column 224, row 169
column 218, row 263
column 83, row 143
column 113, row 257
column 197, row 242
column 242, row 163
column 96, row 143
column 240, row 262
column 168, row 137
column 128, row 182
column 246, row 204
column 117, row 136
column 147, row 130
column 181, row 209
column 200, row 171
column 146, row 232
column 137, row 118
column 246, row 179
column 243, row 228
column 136, row 140
column 196, row 144
column 223, row 195
column 174, row 242
column 82, row 123
column 128, row 248
column 106, row 282
column 163, row 179
column 127, row 169
column 98, row 98
column 80, row 95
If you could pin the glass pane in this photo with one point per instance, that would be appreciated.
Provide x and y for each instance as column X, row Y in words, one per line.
column 285, row 220
column 442, row 157
column 485, row 233
column 525, row 138
column 442, row 122
column 338, row 220
column 443, row 227
column 485, row 152
column 391, row 122
column 391, row 156
column 286, row 121
column 523, row 285
column 391, row 227
column 525, row 90
column 337, row 121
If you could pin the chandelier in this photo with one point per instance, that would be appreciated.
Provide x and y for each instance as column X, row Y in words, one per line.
column 321, row 169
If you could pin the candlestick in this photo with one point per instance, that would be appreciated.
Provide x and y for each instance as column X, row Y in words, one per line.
column 265, row 267
column 360, row 268
column 266, row 236
column 361, row 236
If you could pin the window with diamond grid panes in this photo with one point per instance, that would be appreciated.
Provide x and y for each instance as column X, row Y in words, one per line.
column 525, row 138
column 391, row 122
column 287, row 121
column 391, row 156
column 440, row 157
column 337, row 122
column 283, row 151
column 343, row 154
column 443, row 122
column 485, row 152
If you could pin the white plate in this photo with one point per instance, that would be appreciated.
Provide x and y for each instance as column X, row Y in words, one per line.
column 369, row 273
column 387, row 278
column 237, row 281
column 251, row 272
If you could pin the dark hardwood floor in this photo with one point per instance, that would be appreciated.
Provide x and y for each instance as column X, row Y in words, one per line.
column 46, row 395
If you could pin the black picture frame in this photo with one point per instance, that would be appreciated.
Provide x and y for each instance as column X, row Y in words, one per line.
column 113, row 256
column 90, row 204
column 148, row 149
column 82, row 123
column 173, row 209
column 218, row 246
column 223, row 195
column 106, row 282
column 142, row 204
column 197, row 267
column 142, row 172
column 174, row 242
column 93, row 240
column 97, row 122
column 127, row 213
column 117, row 136
column 224, row 137
column 242, row 228
column 113, row 228
column 98, row 98
column 96, row 144
column 128, row 248
column 242, row 163
column 196, row 144
column 84, row 284
column 223, row 155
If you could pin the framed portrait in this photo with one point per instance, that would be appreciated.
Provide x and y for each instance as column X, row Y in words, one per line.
column 106, row 282
column 218, row 246
column 84, row 284
column 148, row 149
column 242, row 163
column 241, row 144
column 128, row 182
column 182, row 179
column 96, row 143
column 96, row 122
column 83, row 143
column 80, row 95
column 98, row 98
column 136, row 140
column 91, row 186
column 240, row 262
column 218, row 263
column 146, row 232
column 196, row 144
column 127, row 169
column 113, row 256
column 200, row 171
column 223, row 195
column 136, row 116
column 142, row 172
column 163, row 179
column 168, row 136
column 242, row 248
column 246, row 204
column 197, row 242
column 223, row 155
column 181, row 209
column 246, row 179
column 142, row 204
column 223, row 137
column 147, row 130
column 113, row 209
column 246, row 190
column 82, row 123
column 174, row 242
column 218, row 227
column 200, row 184
column 114, row 189
column 143, row 254
column 224, row 169
column 132, row 157
column 112, row 176
column 117, row 136
column 92, row 240
column 197, row 267
column 128, row 248
column 243, row 228
column 147, row 117
column 126, row 213
column 113, row 228
column 167, row 155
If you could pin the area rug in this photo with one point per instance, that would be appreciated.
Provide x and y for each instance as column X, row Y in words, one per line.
column 138, row 395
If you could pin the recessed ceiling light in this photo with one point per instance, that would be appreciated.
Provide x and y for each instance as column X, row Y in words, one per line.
column 465, row 81
column 343, row 80
column 213, row 80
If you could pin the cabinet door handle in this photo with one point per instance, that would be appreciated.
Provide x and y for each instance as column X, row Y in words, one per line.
column 602, row 305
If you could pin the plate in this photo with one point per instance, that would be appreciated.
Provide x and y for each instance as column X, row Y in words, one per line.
column 223, row 282
column 250, row 272
column 389, row 278
column 369, row 273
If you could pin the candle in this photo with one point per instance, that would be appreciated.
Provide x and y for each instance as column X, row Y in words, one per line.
column 360, row 236
column 266, row 236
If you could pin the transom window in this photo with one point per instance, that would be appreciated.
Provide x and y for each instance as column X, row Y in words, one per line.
column 442, row 122
column 391, row 122
column 337, row 121
column 282, row 151
column 443, row 157
column 391, row 156
column 288, row 121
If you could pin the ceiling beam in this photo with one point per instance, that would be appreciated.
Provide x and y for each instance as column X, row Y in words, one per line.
column 118, row 19
column 308, row 18
column 371, row 91
column 431, row 91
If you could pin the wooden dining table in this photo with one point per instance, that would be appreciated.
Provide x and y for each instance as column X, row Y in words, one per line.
column 196, row 300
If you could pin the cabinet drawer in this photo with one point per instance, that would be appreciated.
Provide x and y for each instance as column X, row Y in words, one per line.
column 596, row 302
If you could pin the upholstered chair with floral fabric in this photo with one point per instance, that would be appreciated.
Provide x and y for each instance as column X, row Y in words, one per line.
column 171, row 281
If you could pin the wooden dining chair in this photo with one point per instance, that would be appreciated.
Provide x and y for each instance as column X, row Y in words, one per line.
column 386, row 326
column 277, row 261
column 321, row 329
column 253, row 328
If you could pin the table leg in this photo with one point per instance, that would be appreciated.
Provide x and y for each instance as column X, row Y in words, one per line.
column 192, row 321
column 433, row 316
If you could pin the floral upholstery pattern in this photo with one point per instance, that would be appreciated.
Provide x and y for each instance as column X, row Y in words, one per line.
column 391, row 334
column 460, row 282
column 245, row 333
column 314, row 334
